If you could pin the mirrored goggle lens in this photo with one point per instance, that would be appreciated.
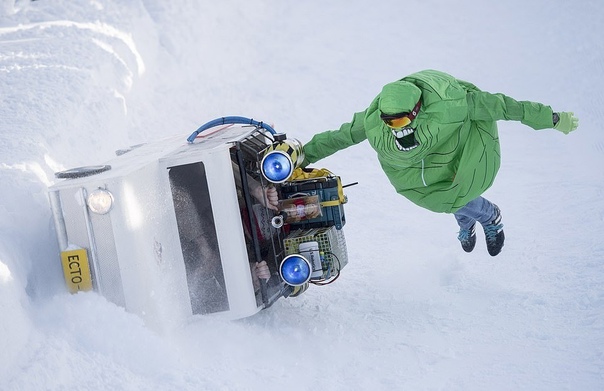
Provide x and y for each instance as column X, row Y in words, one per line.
column 397, row 122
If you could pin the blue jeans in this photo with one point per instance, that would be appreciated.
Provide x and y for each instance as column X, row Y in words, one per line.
column 479, row 209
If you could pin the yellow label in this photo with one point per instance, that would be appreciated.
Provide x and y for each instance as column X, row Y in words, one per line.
column 76, row 270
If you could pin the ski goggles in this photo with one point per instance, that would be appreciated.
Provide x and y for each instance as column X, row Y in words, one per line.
column 396, row 121
column 400, row 120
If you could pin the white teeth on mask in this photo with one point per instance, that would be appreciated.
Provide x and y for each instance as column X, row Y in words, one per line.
column 407, row 148
column 403, row 132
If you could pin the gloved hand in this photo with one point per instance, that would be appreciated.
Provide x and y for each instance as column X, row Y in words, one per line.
column 567, row 122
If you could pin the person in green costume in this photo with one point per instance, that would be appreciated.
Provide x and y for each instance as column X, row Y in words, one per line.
column 437, row 142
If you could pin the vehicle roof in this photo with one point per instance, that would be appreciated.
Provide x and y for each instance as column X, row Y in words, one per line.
column 165, row 150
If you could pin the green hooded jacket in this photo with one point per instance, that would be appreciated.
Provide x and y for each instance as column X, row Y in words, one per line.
column 458, row 156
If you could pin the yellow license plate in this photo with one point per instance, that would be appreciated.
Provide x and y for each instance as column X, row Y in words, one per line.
column 76, row 270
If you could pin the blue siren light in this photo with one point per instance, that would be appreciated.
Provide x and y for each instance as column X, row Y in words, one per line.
column 295, row 270
column 277, row 166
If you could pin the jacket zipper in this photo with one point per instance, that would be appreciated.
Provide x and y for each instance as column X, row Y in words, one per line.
column 423, row 179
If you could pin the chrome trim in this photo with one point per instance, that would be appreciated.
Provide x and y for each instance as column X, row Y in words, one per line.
column 59, row 219
column 96, row 278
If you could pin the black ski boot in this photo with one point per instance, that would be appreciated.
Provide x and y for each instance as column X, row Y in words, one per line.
column 494, row 234
column 467, row 237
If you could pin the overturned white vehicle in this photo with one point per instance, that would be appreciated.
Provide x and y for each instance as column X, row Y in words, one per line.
column 171, row 229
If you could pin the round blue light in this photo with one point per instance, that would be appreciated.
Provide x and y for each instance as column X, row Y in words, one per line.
column 295, row 270
column 277, row 167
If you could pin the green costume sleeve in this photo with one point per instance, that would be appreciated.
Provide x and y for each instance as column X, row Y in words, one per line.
column 329, row 142
column 484, row 106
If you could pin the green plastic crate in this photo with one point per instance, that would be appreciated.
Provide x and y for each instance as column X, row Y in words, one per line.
column 332, row 246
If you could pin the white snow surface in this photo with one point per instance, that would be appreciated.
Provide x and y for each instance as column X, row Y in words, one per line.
column 411, row 311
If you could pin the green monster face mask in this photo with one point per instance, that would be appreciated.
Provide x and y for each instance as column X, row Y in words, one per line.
column 403, row 133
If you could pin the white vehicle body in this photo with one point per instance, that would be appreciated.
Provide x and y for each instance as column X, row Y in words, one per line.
column 175, row 239
column 135, row 252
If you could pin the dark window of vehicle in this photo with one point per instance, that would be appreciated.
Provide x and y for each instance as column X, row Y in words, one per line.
column 197, row 233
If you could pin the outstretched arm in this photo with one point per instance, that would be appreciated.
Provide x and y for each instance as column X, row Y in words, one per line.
column 329, row 142
column 484, row 106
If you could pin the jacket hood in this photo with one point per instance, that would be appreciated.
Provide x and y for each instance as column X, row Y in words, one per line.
column 398, row 97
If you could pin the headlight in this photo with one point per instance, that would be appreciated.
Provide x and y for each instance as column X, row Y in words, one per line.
column 281, row 159
column 100, row 201
column 277, row 166
column 295, row 270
